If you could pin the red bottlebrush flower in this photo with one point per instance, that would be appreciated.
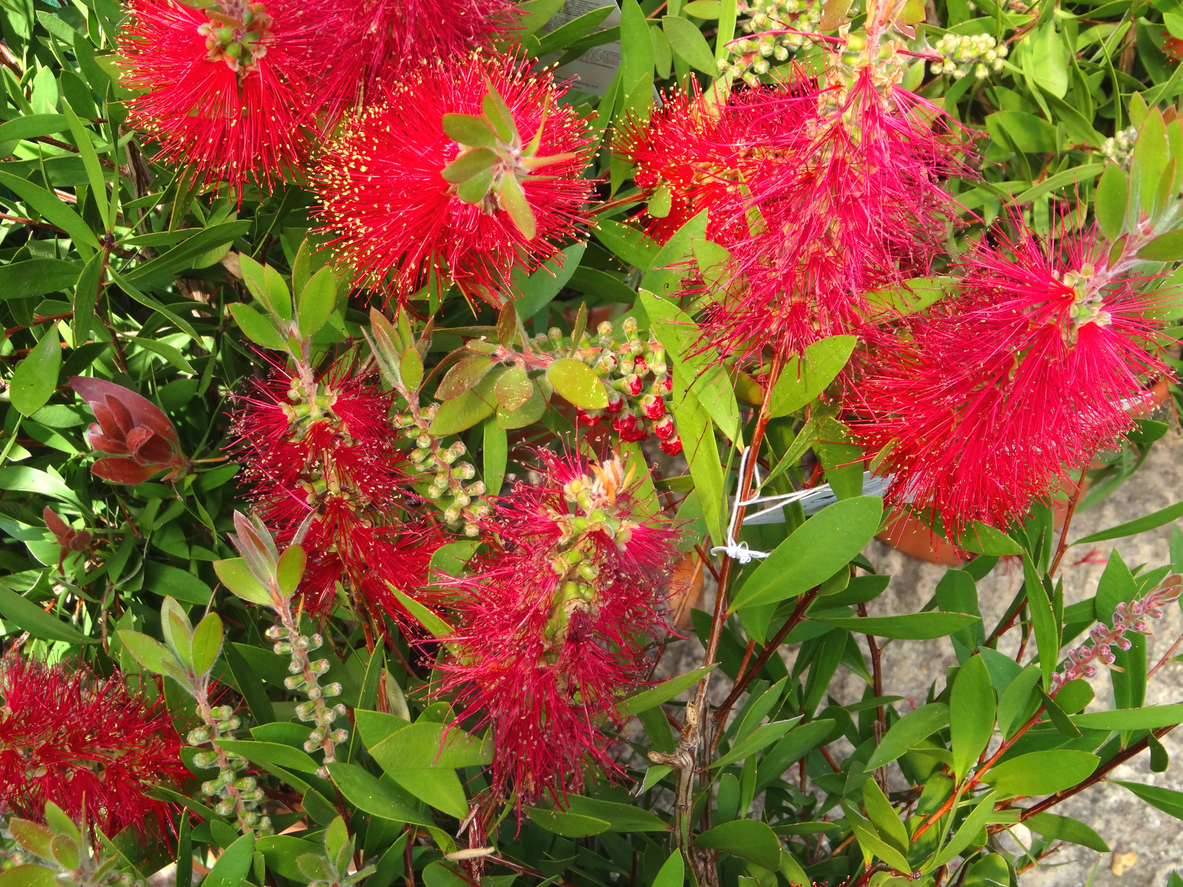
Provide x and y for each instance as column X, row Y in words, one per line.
column 1026, row 375
column 693, row 154
column 373, row 43
column 129, row 426
column 553, row 623
column 226, row 88
column 398, row 221
column 1172, row 48
column 79, row 740
column 850, row 201
column 323, row 467
column 672, row 445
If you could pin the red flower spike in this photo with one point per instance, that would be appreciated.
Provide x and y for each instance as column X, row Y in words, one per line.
column 373, row 43
column 226, row 89
column 1025, row 376
column 334, row 477
column 697, row 154
column 672, row 446
column 553, row 623
column 132, row 426
column 401, row 224
column 84, row 742
column 847, row 199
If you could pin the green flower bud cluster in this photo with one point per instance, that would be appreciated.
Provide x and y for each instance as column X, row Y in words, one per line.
column 452, row 488
column 963, row 53
column 752, row 56
column 1120, row 148
column 578, row 560
column 237, row 40
column 231, row 792
column 305, row 678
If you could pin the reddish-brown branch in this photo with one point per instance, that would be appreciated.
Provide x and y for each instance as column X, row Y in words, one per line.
column 1072, row 503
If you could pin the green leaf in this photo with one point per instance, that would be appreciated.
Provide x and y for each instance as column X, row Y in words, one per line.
column 1047, row 59
column 665, row 691
column 759, row 738
column 908, row 732
column 273, row 753
column 147, row 651
column 971, row 715
column 689, row 44
column 568, row 825
column 317, row 302
column 439, row 788
column 883, row 817
column 970, row 829
column 748, row 839
column 577, row 383
column 234, row 864
column 1164, row 248
column 36, row 377
column 424, row 615
column 533, row 15
column 410, row 369
column 236, row 577
column 470, row 164
column 28, row 876
column 257, row 328
column 802, row 380
column 290, row 569
column 50, row 208
column 672, row 872
column 1015, row 698
column 90, row 162
column 636, row 48
column 24, row 615
column 1149, row 718
column 631, row 245
column 984, row 539
column 31, row 126
column 1030, row 134
column 207, row 643
column 36, row 277
column 727, row 16
column 1150, row 157
column 1141, row 525
column 513, row 201
column 620, row 817
column 813, row 553
column 907, row 626
column 459, row 414
column 514, row 389
column 1065, row 828
column 1043, row 620
column 1042, row 772
column 32, row 836
column 872, row 844
column 468, row 129
column 1109, row 203
column 1166, row 800
column 425, row 746
column 366, row 793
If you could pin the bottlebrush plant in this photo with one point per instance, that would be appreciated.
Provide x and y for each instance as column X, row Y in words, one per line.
column 443, row 443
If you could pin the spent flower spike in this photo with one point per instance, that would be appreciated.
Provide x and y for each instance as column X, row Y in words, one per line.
column 1082, row 661
column 138, row 436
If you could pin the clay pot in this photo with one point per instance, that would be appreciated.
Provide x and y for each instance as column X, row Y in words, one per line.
column 911, row 536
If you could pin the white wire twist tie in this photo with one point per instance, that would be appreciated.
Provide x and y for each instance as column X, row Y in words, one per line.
column 740, row 551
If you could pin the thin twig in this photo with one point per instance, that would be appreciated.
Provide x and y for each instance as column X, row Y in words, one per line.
column 1072, row 503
